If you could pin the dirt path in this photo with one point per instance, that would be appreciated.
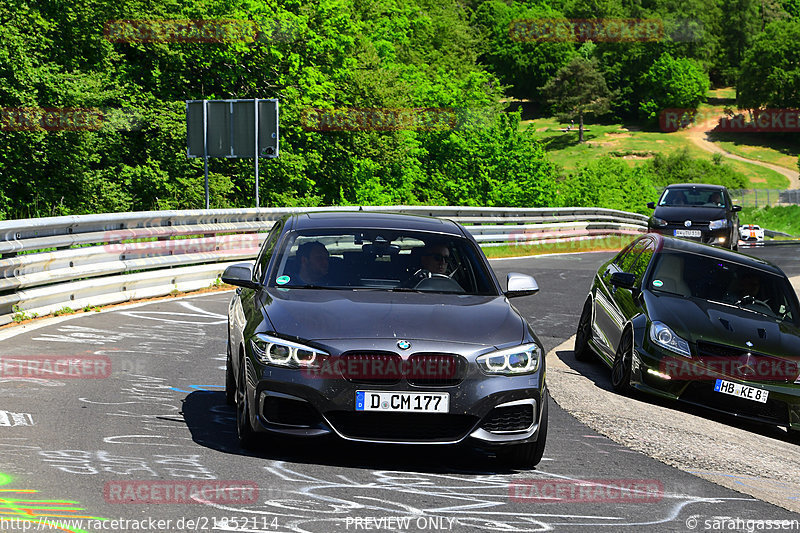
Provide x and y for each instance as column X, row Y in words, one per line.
column 700, row 138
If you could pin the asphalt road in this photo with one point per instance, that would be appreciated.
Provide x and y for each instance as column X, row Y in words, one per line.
column 77, row 449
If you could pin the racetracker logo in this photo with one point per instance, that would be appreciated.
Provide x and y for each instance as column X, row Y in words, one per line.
column 237, row 244
column 582, row 30
column 55, row 366
column 181, row 31
column 586, row 490
column 170, row 492
column 375, row 367
column 755, row 121
column 50, row 119
column 377, row 119
column 746, row 367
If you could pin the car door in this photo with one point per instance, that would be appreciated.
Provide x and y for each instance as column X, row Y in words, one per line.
column 613, row 304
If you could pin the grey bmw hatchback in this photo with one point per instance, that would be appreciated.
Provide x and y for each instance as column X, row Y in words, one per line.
column 383, row 328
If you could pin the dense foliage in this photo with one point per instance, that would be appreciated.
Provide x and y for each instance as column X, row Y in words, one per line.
column 337, row 54
column 610, row 182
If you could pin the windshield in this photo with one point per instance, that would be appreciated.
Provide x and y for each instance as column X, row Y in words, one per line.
column 692, row 197
column 392, row 260
column 699, row 276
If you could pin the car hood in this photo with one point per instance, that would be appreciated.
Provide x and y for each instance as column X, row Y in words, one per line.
column 696, row 319
column 680, row 214
column 323, row 315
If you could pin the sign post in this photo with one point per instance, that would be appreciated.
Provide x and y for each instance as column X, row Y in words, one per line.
column 232, row 129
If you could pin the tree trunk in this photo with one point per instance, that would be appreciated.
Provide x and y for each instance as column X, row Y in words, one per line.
column 580, row 128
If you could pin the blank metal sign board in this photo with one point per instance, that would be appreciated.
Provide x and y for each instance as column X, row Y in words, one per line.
column 231, row 128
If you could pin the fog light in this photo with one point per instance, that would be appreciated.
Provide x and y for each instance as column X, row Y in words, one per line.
column 658, row 374
column 721, row 239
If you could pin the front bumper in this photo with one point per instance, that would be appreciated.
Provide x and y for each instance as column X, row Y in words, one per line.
column 493, row 410
column 648, row 374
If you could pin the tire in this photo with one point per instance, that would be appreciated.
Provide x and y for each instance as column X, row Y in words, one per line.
column 230, row 380
column 621, row 369
column 529, row 454
column 582, row 351
column 244, row 430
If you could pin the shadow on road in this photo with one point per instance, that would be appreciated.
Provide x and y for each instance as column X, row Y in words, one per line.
column 212, row 424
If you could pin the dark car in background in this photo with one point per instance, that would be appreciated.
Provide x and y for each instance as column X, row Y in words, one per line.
column 383, row 328
column 699, row 324
column 704, row 213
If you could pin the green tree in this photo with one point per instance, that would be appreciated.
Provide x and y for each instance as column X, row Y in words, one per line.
column 672, row 83
column 512, row 53
column 770, row 73
column 743, row 21
column 578, row 89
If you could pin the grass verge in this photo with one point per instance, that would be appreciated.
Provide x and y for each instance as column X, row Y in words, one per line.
column 784, row 218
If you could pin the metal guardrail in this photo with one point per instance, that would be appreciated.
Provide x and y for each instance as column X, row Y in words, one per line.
column 89, row 260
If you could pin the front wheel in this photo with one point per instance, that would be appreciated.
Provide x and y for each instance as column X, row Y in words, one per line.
column 621, row 370
column 230, row 380
column 529, row 454
column 244, row 430
column 582, row 351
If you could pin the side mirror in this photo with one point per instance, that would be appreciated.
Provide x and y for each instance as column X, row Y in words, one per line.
column 623, row 280
column 736, row 208
column 241, row 275
column 520, row 285
column 651, row 205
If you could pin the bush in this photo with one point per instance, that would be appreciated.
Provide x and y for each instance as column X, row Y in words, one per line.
column 610, row 183
column 680, row 167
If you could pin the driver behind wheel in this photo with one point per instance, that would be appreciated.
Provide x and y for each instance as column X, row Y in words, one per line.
column 434, row 258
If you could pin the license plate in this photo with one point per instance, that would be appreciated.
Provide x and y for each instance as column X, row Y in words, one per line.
column 742, row 391
column 403, row 402
column 688, row 233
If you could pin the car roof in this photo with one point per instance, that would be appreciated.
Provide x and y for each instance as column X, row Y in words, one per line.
column 372, row 220
column 667, row 244
column 698, row 185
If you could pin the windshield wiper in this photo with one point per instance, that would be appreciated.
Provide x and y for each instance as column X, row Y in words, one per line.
column 321, row 287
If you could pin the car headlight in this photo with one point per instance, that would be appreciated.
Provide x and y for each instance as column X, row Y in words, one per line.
column 514, row 361
column 279, row 352
column 666, row 338
column 718, row 224
column 658, row 222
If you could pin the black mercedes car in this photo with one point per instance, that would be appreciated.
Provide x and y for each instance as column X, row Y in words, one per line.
column 383, row 328
column 699, row 324
column 703, row 213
